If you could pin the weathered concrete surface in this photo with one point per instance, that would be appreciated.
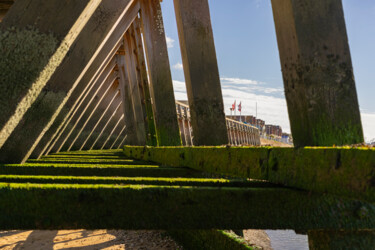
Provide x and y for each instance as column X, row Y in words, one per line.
column 318, row 73
column 32, row 51
column 161, row 86
column 201, row 72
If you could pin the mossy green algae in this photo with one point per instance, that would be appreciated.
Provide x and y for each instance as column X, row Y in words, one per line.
column 28, row 59
column 343, row 171
column 58, row 206
column 209, row 240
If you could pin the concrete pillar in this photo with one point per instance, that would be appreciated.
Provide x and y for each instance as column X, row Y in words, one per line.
column 144, row 84
column 134, row 89
column 318, row 73
column 161, row 86
column 201, row 72
column 127, row 102
column 340, row 240
column 37, row 49
column 67, row 77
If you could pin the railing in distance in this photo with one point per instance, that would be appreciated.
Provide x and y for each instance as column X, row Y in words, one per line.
column 238, row 133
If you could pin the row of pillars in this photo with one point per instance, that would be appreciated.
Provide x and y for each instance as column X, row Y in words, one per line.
column 122, row 70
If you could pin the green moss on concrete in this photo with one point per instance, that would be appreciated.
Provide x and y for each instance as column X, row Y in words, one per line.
column 209, row 240
column 97, row 170
column 133, row 180
column 341, row 240
column 62, row 206
column 343, row 171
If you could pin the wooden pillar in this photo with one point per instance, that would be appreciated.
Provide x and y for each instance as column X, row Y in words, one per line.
column 80, row 93
column 80, row 63
column 93, row 113
column 101, row 121
column 80, row 116
column 117, row 112
column 201, row 72
column 341, row 240
column 317, row 72
column 134, row 89
column 161, row 86
column 38, row 48
column 109, row 74
column 127, row 102
column 144, row 85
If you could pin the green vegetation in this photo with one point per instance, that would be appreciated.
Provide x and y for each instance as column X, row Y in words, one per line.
column 209, row 240
column 342, row 171
column 48, row 195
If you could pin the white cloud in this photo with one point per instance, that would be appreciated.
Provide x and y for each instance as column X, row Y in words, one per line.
column 228, row 80
column 170, row 42
column 179, row 90
column 368, row 123
column 271, row 108
column 178, row 66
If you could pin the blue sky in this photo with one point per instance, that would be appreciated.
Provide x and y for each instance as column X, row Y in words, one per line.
column 249, row 63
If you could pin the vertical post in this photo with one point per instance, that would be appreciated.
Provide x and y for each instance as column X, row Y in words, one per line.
column 317, row 71
column 141, row 65
column 134, row 90
column 165, row 115
column 131, row 138
column 201, row 72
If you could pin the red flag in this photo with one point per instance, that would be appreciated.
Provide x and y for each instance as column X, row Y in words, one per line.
column 234, row 105
column 239, row 107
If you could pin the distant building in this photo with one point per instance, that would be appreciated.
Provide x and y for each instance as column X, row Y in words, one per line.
column 274, row 130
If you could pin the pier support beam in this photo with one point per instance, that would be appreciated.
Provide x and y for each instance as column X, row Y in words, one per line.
column 129, row 117
column 317, row 72
column 36, row 49
column 165, row 115
column 201, row 72
column 143, row 83
column 75, row 67
column 134, row 89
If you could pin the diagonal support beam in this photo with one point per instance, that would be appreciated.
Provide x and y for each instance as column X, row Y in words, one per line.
column 61, row 85
column 27, row 35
